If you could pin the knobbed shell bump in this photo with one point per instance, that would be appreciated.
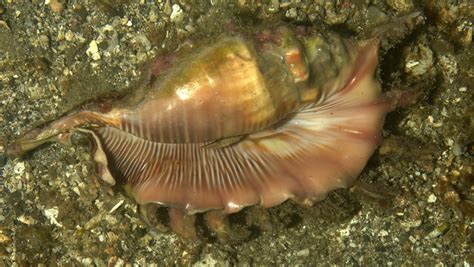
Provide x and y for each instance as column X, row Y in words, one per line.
column 245, row 121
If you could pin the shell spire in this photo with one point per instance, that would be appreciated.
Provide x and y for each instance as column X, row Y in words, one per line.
column 222, row 92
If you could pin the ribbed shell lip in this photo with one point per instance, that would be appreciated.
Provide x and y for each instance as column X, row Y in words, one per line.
column 317, row 150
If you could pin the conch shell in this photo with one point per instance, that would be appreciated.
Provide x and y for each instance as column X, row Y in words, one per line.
column 245, row 121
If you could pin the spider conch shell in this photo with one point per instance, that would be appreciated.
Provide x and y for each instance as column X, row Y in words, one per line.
column 241, row 122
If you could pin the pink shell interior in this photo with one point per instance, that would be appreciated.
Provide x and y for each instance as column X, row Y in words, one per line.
column 317, row 150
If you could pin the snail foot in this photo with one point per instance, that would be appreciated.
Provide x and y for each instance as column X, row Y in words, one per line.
column 218, row 223
column 183, row 224
column 212, row 226
column 156, row 217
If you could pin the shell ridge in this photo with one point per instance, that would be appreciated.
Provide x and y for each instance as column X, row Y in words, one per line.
column 258, row 164
column 364, row 65
column 304, row 158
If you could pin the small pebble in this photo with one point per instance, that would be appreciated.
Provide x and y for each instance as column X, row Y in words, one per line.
column 303, row 253
column 462, row 33
column 19, row 168
column 431, row 198
column 114, row 208
column 291, row 13
column 93, row 50
column 438, row 231
column 52, row 215
column 274, row 6
column 176, row 13
column 383, row 233
column 418, row 61
column 69, row 35
column 56, row 6
column 411, row 223
column 76, row 190
column 4, row 239
column 28, row 220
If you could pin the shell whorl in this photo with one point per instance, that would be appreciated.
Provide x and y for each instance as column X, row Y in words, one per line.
column 226, row 90
column 297, row 137
column 318, row 149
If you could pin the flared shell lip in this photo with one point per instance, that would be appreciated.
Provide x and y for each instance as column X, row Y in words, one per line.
column 228, row 205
